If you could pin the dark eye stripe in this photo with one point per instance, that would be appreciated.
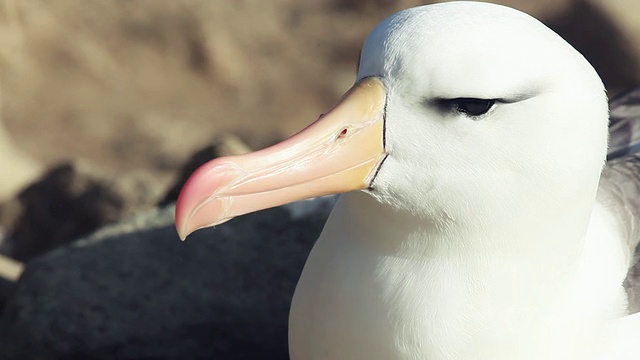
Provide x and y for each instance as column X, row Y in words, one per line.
column 474, row 107
column 467, row 106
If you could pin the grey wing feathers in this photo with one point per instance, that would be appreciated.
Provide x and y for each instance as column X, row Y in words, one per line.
column 620, row 189
column 620, row 181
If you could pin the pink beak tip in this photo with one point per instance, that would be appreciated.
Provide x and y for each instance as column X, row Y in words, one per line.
column 180, row 228
column 182, row 235
column 200, row 185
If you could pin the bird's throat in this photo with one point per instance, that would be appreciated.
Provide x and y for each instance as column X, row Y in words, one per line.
column 397, row 281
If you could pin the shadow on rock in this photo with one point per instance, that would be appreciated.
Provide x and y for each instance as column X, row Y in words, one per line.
column 71, row 200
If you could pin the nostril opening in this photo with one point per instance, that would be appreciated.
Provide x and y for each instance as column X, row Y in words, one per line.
column 343, row 133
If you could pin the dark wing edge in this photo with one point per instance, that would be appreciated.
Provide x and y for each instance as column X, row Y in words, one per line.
column 624, row 124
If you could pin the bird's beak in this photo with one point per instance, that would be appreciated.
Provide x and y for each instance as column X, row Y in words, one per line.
column 339, row 152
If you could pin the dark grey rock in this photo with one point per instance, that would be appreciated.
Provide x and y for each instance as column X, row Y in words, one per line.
column 69, row 201
column 135, row 291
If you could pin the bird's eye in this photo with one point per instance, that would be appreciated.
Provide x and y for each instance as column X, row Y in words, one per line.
column 469, row 106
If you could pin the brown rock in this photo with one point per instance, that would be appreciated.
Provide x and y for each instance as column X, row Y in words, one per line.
column 592, row 31
column 17, row 169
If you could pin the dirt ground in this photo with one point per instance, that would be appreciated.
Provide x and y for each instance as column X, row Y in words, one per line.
column 141, row 85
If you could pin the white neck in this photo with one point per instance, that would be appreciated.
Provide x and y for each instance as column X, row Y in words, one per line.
column 503, row 292
column 517, row 237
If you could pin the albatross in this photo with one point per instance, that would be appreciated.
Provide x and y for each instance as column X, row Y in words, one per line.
column 478, row 219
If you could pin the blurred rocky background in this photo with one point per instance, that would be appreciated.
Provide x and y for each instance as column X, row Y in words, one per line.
column 107, row 106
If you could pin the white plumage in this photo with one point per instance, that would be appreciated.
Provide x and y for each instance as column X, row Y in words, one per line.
column 482, row 236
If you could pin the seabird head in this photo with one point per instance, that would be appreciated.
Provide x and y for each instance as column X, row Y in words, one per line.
column 459, row 110
column 485, row 106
